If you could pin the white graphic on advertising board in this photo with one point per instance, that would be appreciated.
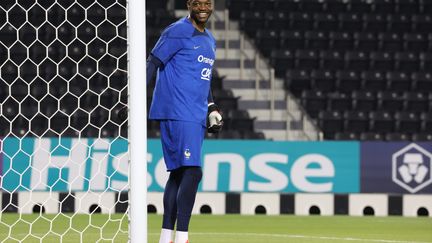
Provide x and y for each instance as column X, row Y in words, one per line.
column 412, row 168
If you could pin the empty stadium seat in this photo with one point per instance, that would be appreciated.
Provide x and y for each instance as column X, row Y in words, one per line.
column 306, row 59
column 373, row 80
column 335, row 6
column 237, row 6
column 99, row 117
column 292, row 39
column 301, row 21
column 399, row 22
column 390, row 101
column 346, row 136
column 341, row 41
column 298, row 80
column 68, row 104
column 426, row 61
column 331, row 60
column 374, row 22
column 416, row 42
column 422, row 81
column 286, row 5
column 267, row 40
column 356, row 121
column 399, row 81
column 313, row 101
column 339, row 102
column 384, row 6
column 264, row 4
column 330, row 122
column 407, row 121
column 160, row 4
column 356, row 60
column 365, row 41
column 421, row 23
column 425, row 6
column 316, row 40
column 19, row 89
column 381, row 122
column 382, row 61
column 282, row 60
column 426, row 121
column 252, row 20
column 364, row 100
column 397, row 136
column 20, row 126
column 416, row 101
column 276, row 20
column 60, row 122
column 311, row 6
column 350, row 22
column 390, row 42
column 371, row 136
column 422, row 137
column 408, row 61
column 359, row 6
column 39, row 125
column 407, row 6
column 323, row 80
column 325, row 21
column 348, row 80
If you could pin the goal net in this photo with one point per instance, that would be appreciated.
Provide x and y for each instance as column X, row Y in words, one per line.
column 63, row 151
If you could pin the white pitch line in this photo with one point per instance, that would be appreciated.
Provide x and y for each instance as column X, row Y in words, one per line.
column 307, row 237
column 262, row 235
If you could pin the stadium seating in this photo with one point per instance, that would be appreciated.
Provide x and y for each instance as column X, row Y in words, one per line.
column 364, row 100
column 64, row 64
column 346, row 58
column 339, row 102
column 331, row 122
column 313, row 101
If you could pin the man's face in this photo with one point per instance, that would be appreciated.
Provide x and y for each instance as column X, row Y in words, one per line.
column 200, row 10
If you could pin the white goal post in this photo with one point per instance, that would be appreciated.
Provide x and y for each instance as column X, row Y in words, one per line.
column 70, row 169
column 138, row 121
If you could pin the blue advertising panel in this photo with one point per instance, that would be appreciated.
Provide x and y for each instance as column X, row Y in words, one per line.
column 396, row 167
column 63, row 164
column 269, row 166
column 228, row 165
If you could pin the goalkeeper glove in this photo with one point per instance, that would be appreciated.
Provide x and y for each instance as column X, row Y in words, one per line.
column 214, row 119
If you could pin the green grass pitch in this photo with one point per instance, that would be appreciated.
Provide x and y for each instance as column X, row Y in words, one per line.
column 220, row 229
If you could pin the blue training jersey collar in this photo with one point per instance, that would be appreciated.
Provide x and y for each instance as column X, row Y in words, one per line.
column 196, row 32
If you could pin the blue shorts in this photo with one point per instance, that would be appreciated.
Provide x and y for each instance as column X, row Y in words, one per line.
column 181, row 143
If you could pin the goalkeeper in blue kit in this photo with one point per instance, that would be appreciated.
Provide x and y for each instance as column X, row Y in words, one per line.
column 183, row 59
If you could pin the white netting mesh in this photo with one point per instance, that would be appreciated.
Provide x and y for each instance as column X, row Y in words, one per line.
column 63, row 157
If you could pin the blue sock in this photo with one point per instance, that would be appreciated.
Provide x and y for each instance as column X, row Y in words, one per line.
column 170, row 199
column 186, row 196
column 179, row 197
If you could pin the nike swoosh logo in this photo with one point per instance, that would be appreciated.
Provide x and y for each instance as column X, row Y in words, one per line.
column 196, row 47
